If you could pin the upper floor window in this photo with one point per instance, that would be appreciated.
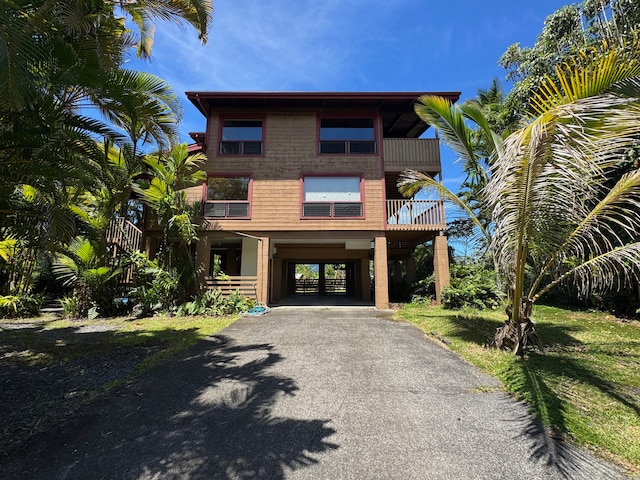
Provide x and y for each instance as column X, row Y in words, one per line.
column 332, row 197
column 241, row 137
column 347, row 135
column 228, row 197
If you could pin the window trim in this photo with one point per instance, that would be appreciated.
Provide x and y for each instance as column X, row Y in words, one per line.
column 223, row 117
column 205, row 186
column 359, row 175
column 355, row 116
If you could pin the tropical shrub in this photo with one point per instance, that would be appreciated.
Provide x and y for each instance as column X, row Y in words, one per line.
column 94, row 284
column 12, row 306
column 212, row 302
column 472, row 285
column 424, row 291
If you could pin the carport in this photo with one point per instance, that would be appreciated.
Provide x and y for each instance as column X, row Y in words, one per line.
column 352, row 283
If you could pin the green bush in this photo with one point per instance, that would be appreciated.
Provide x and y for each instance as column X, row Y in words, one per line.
column 212, row 302
column 12, row 306
column 424, row 291
column 472, row 285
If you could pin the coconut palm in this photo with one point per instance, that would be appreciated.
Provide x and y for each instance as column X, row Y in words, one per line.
column 554, row 216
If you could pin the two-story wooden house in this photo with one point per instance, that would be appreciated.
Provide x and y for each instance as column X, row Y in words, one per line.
column 310, row 178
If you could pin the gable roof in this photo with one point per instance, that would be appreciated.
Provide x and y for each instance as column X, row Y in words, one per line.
column 398, row 116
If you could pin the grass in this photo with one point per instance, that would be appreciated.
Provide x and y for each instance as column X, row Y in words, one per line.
column 586, row 387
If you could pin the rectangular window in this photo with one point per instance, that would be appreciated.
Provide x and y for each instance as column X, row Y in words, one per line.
column 332, row 197
column 347, row 136
column 227, row 197
column 241, row 137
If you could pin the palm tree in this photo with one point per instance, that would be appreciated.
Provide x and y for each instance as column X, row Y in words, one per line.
column 143, row 13
column 554, row 216
column 93, row 282
column 163, row 193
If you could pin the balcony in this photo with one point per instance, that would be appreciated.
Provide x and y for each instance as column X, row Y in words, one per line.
column 422, row 154
column 415, row 215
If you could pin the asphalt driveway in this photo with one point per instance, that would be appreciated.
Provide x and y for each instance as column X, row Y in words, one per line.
column 333, row 393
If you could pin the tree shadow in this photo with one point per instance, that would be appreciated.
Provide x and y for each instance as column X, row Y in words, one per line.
column 480, row 330
column 529, row 380
column 207, row 414
column 47, row 374
column 559, row 456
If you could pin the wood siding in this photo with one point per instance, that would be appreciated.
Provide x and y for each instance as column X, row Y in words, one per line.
column 289, row 153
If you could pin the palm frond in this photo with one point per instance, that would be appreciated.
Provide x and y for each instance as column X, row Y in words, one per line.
column 591, row 74
column 606, row 272
column 411, row 182
column 449, row 120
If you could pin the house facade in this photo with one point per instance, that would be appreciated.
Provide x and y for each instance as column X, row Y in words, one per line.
column 310, row 179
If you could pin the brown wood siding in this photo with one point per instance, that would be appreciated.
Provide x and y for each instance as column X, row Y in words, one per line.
column 289, row 152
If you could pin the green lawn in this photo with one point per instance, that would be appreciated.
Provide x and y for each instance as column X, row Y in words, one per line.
column 586, row 387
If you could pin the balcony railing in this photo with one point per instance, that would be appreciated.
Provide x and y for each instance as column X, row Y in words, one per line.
column 415, row 215
column 421, row 154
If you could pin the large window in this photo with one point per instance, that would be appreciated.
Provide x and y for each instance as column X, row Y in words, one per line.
column 228, row 197
column 347, row 135
column 241, row 137
column 332, row 197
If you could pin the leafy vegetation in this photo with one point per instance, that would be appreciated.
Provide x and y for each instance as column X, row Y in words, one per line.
column 20, row 305
column 65, row 177
column 559, row 209
column 586, row 387
column 472, row 285
column 212, row 302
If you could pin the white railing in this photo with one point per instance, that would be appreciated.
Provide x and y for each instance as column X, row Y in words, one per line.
column 415, row 215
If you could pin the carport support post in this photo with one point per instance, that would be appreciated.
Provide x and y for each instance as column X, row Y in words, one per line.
column 381, row 272
column 440, row 265
column 262, row 283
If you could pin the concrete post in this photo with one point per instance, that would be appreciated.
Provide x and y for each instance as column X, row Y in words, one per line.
column 262, row 287
column 381, row 272
column 321, row 280
column 440, row 265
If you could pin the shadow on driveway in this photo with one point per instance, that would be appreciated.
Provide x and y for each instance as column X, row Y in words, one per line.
column 207, row 415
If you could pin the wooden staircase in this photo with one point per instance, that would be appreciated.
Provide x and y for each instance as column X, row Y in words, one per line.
column 124, row 236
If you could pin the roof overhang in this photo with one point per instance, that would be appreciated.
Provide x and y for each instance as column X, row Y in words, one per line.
column 397, row 108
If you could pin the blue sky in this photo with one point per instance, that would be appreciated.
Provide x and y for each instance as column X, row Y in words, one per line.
column 346, row 45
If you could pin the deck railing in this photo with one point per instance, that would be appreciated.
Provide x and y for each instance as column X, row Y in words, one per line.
column 312, row 285
column 246, row 285
column 415, row 215
column 421, row 154
column 124, row 234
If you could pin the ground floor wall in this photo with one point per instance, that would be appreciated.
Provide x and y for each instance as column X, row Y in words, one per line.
column 264, row 262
